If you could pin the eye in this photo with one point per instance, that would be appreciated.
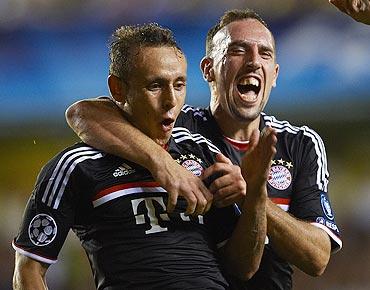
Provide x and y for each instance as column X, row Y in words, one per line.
column 236, row 50
column 180, row 85
column 266, row 54
column 154, row 87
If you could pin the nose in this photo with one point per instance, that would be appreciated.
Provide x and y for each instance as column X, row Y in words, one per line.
column 169, row 98
column 252, row 59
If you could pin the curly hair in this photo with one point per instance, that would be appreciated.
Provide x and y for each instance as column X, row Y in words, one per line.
column 127, row 41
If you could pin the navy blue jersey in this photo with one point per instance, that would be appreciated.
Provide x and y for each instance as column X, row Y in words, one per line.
column 298, row 183
column 119, row 214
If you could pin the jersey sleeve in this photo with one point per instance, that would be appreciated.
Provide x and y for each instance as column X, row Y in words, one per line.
column 310, row 200
column 49, row 214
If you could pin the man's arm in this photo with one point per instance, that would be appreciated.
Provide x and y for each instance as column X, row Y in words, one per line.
column 299, row 242
column 29, row 274
column 99, row 123
column 243, row 251
column 359, row 10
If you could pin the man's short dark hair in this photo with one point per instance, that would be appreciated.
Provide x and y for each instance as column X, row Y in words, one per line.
column 127, row 41
column 228, row 17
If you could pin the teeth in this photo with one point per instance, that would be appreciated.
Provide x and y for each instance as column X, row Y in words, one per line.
column 249, row 81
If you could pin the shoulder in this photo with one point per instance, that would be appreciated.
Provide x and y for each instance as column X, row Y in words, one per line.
column 194, row 111
column 76, row 154
column 182, row 136
column 193, row 118
column 195, row 114
column 63, row 164
column 293, row 133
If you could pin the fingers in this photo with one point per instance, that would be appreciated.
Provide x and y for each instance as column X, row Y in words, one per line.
column 223, row 159
column 203, row 200
column 215, row 169
column 172, row 201
column 229, row 187
column 227, row 196
column 227, row 201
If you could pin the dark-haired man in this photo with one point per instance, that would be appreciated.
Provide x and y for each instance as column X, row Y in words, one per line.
column 116, row 208
column 241, row 69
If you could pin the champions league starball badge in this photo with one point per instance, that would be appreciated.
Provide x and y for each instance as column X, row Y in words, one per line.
column 42, row 230
column 325, row 204
column 279, row 177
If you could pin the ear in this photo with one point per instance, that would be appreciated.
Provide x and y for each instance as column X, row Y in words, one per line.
column 206, row 66
column 117, row 88
column 276, row 75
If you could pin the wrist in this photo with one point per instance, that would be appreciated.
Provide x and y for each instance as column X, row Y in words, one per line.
column 157, row 159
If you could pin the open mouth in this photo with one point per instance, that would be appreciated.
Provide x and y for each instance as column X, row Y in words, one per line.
column 249, row 87
column 167, row 123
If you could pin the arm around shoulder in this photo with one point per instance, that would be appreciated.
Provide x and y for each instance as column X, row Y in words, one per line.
column 100, row 123
column 29, row 274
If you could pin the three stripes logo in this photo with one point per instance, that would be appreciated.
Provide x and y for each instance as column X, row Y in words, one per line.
column 123, row 170
column 62, row 172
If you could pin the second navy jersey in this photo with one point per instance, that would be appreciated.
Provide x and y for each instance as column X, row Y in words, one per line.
column 119, row 214
column 297, row 183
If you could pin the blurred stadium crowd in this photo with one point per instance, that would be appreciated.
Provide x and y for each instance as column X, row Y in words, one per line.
column 53, row 52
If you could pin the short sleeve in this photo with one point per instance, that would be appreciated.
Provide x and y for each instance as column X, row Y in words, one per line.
column 310, row 200
column 48, row 216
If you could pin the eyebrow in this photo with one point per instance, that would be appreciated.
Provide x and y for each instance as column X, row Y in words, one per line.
column 245, row 43
column 165, row 80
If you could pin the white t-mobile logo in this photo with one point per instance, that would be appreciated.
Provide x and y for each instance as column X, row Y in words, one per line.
column 149, row 205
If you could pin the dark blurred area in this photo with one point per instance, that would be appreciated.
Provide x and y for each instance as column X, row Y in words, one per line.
column 54, row 52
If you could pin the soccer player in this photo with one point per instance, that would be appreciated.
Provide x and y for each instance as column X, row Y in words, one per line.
column 116, row 208
column 241, row 69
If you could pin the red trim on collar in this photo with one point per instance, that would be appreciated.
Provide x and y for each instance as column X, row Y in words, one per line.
column 239, row 145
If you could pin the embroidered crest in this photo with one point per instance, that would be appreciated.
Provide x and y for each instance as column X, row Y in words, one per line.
column 42, row 230
column 279, row 177
column 191, row 163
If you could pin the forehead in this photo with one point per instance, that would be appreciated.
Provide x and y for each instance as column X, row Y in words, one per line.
column 160, row 60
column 245, row 30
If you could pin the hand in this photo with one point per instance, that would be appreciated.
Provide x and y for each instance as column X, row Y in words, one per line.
column 230, row 186
column 178, row 181
column 359, row 10
column 256, row 163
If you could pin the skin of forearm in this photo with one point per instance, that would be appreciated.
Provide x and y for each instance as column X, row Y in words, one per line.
column 29, row 274
column 100, row 124
column 243, row 252
column 299, row 242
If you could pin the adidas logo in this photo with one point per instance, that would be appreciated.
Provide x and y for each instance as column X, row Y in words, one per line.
column 123, row 170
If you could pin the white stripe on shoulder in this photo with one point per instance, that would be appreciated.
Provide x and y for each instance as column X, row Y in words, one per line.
column 62, row 171
column 322, row 175
column 180, row 134
column 196, row 110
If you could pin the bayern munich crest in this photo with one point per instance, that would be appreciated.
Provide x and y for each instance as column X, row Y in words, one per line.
column 279, row 177
column 191, row 163
column 42, row 230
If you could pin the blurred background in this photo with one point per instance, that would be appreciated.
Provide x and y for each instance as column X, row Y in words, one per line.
column 54, row 52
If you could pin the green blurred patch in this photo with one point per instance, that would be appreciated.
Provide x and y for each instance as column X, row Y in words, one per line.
column 23, row 157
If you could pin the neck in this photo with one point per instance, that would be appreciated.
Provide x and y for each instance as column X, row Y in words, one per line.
column 235, row 129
